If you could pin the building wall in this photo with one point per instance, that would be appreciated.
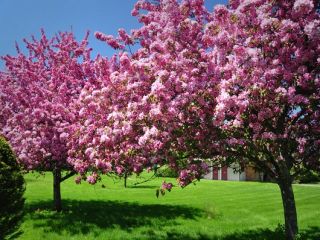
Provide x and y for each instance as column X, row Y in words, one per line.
column 251, row 174
column 224, row 173
column 242, row 176
column 236, row 175
column 209, row 175
column 233, row 176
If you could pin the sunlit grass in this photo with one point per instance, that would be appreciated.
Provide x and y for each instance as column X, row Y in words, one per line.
column 209, row 210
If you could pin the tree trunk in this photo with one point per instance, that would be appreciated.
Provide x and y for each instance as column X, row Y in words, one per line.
column 125, row 179
column 289, row 206
column 56, row 189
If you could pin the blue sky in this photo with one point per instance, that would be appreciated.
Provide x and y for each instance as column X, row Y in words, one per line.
column 22, row 18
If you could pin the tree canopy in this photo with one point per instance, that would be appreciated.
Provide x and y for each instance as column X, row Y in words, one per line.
column 236, row 84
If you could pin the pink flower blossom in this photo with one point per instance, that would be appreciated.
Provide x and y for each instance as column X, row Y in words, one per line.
column 303, row 6
column 166, row 186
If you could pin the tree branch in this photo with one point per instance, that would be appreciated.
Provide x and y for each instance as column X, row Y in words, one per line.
column 68, row 175
column 146, row 180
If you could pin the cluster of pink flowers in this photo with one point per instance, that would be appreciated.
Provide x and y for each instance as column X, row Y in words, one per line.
column 270, row 82
column 93, row 178
column 37, row 92
column 166, row 186
column 192, row 172
column 201, row 84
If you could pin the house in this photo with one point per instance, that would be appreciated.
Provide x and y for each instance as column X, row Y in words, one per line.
column 233, row 173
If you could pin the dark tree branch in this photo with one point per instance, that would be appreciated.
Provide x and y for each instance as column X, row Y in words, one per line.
column 146, row 180
column 68, row 175
column 281, row 120
column 301, row 113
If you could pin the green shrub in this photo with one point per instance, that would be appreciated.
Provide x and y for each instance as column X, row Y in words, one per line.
column 309, row 177
column 12, row 188
column 166, row 171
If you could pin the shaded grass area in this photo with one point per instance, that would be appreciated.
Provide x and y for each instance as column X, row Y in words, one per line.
column 80, row 216
column 211, row 210
column 312, row 233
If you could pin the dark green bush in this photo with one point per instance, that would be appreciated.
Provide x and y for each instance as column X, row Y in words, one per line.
column 166, row 171
column 12, row 188
column 309, row 177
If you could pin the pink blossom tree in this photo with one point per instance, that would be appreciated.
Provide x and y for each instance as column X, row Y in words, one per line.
column 37, row 91
column 240, row 84
column 144, row 111
column 103, row 137
column 267, row 56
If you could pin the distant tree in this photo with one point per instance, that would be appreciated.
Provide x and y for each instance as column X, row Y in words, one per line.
column 37, row 91
column 12, row 188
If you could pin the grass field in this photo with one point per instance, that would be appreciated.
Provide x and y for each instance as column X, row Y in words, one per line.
column 209, row 210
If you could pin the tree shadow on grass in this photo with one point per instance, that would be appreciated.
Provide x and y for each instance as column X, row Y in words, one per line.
column 83, row 217
column 311, row 233
column 94, row 217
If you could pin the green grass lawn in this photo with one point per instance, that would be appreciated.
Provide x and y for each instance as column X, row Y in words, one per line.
column 209, row 210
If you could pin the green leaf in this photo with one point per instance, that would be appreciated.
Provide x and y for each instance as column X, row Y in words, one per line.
column 163, row 192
